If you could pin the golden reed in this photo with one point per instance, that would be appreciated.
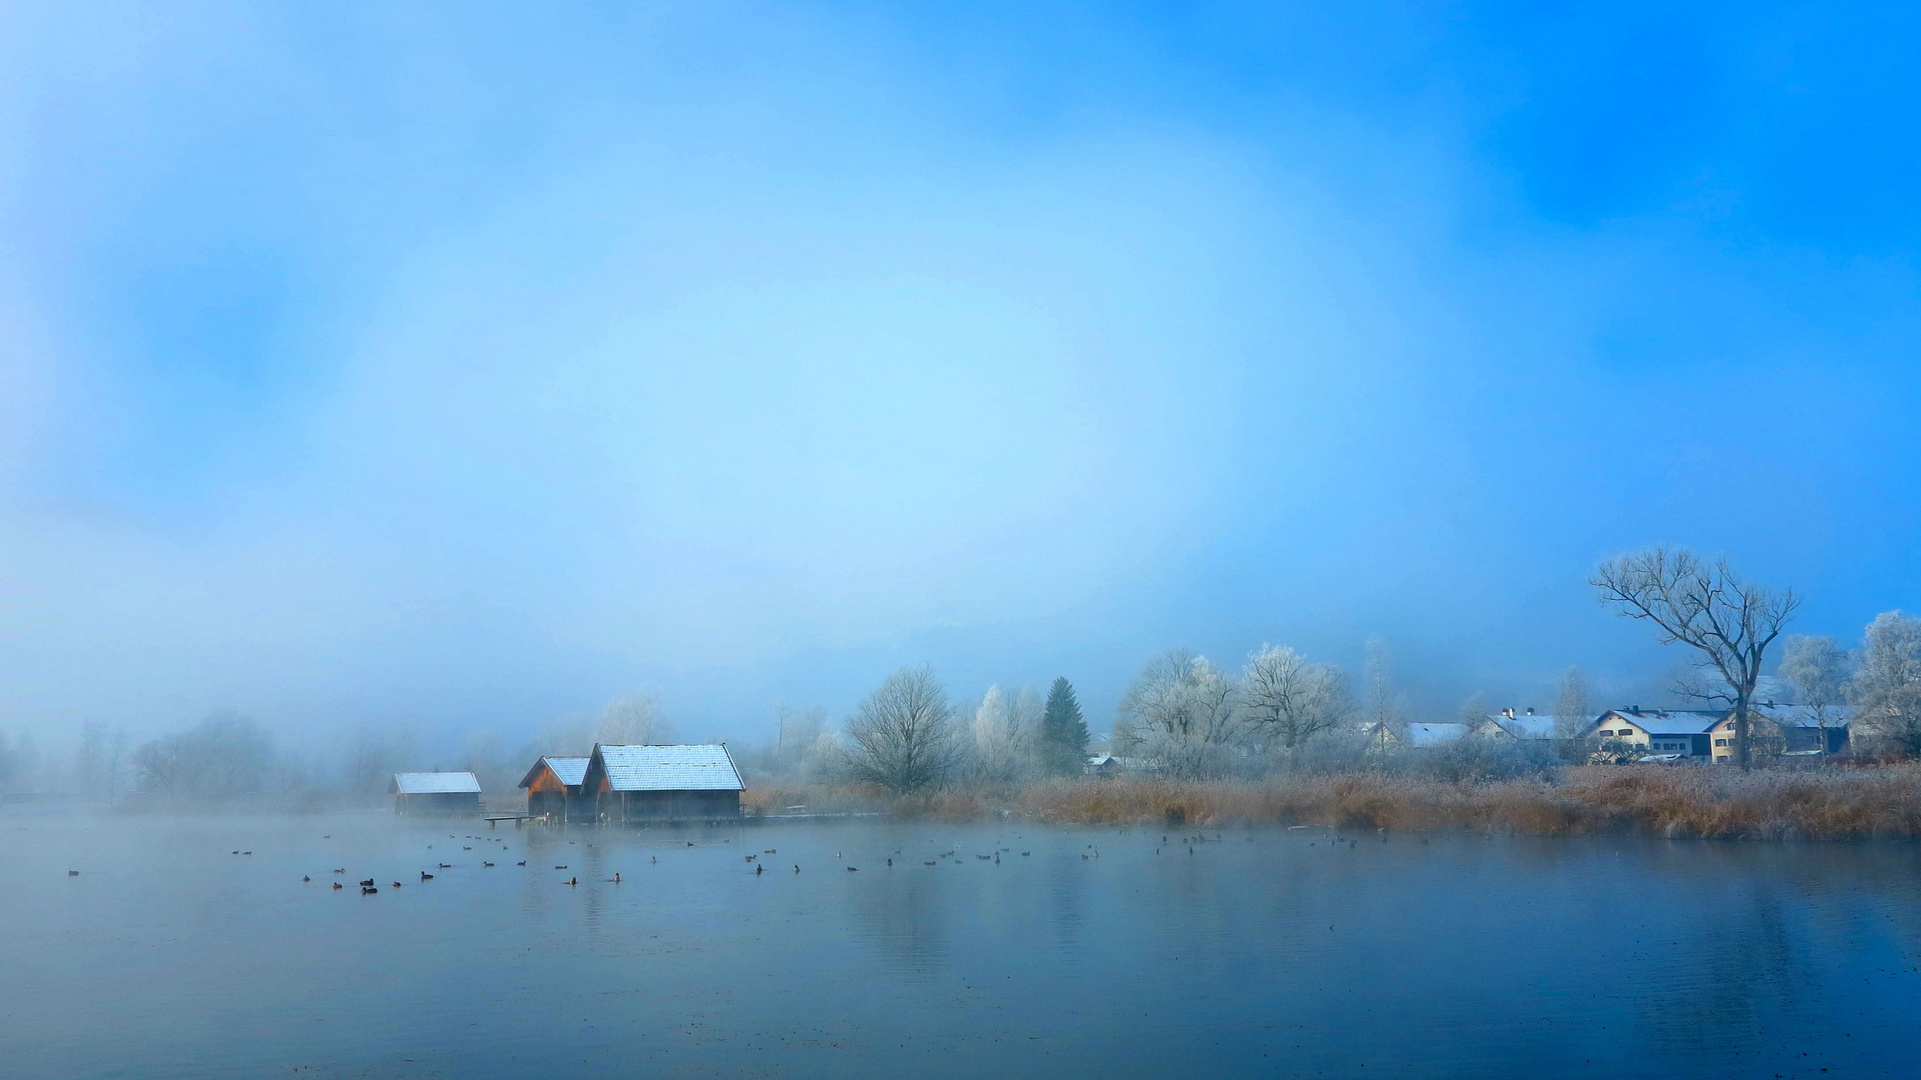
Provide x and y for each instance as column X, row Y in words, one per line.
column 1837, row 803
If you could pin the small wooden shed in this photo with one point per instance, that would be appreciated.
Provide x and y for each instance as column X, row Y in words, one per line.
column 553, row 789
column 643, row 783
column 436, row 793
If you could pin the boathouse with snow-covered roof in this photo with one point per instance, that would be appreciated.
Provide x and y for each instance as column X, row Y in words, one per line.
column 553, row 789
column 435, row 793
column 648, row 783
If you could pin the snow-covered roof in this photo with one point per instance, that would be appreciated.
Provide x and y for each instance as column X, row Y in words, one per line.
column 1101, row 759
column 1662, row 721
column 1525, row 725
column 693, row 767
column 1434, row 734
column 435, row 783
column 1803, row 716
column 568, row 770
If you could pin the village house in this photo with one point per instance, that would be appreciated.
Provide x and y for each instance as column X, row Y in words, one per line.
column 1417, row 735
column 1708, row 734
column 1102, row 766
column 646, row 783
column 1526, row 726
column 1663, row 732
column 553, row 789
column 1802, row 730
column 436, row 793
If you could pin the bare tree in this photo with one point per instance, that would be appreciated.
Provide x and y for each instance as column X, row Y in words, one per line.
column 1818, row 669
column 796, row 733
column 1291, row 700
column 1571, row 715
column 904, row 733
column 89, row 759
column 160, row 764
column 1887, row 684
column 116, row 761
column 1571, row 706
column 1729, row 622
column 1181, row 713
column 1381, row 706
column 636, row 719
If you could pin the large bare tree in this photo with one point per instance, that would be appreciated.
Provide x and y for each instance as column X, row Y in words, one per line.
column 1728, row 621
column 1291, row 700
column 904, row 734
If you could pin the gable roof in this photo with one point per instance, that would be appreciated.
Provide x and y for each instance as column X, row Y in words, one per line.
column 1434, row 734
column 571, row 771
column 691, row 767
column 1524, row 725
column 1803, row 716
column 1661, row 721
column 435, row 783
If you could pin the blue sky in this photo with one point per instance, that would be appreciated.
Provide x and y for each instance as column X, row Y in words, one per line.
column 466, row 365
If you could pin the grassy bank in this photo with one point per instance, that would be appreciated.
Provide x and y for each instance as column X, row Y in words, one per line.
column 1674, row 802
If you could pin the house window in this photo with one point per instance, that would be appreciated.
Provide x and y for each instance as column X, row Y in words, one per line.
column 1720, row 742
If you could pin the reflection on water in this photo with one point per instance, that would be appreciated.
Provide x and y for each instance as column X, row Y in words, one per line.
column 1102, row 952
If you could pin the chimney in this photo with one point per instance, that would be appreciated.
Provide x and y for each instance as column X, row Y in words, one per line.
column 1635, row 709
column 1509, row 712
column 1530, row 710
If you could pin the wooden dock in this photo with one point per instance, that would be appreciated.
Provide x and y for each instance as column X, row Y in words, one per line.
column 517, row 816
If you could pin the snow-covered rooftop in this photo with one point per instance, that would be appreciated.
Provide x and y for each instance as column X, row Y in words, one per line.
column 693, row 767
column 1803, row 716
column 1434, row 734
column 1525, row 725
column 1663, row 721
column 435, row 783
column 569, row 770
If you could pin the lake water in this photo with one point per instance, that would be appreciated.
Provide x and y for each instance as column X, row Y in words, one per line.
column 1266, row 953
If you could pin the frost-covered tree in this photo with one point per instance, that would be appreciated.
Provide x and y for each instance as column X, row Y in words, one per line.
column 1818, row 669
column 1887, row 683
column 1289, row 700
column 797, row 735
column 1182, row 714
column 1383, row 709
column 903, row 736
column 1063, row 746
column 224, row 756
column 632, row 720
column 1003, row 736
column 1571, row 707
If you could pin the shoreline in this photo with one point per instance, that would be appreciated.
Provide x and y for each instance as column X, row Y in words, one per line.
column 1880, row 802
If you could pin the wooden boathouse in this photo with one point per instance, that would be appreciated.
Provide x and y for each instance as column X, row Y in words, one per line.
column 553, row 789
column 646, row 783
column 448, row 794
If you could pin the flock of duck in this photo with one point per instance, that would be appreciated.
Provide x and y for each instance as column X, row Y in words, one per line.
column 368, row 886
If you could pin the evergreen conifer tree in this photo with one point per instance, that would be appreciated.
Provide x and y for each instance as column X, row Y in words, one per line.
column 1063, row 732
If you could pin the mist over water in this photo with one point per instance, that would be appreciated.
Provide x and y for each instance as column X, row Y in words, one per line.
column 953, row 409
column 1266, row 952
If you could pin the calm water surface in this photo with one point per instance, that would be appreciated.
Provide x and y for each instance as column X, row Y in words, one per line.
column 1265, row 953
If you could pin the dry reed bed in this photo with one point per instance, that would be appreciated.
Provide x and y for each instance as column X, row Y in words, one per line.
column 1674, row 802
